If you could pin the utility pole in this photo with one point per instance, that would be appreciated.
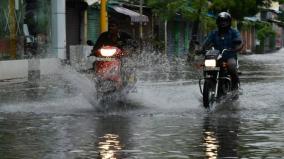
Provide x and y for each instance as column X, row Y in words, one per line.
column 194, row 35
column 13, row 29
column 85, row 26
column 104, row 16
column 141, row 23
column 166, row 36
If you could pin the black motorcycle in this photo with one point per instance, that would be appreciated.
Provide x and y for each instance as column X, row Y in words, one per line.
column 216, row 80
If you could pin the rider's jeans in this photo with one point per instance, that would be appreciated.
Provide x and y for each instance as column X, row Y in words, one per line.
column 232, row 68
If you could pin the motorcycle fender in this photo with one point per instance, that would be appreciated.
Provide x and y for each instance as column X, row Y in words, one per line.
column 108, row 70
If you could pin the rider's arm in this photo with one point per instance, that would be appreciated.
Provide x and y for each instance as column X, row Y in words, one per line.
column 126, row 38
column 237, row 41
column 99, row 43
column 126, row 42
column 207, row 43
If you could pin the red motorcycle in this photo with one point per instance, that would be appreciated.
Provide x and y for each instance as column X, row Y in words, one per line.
column 112, row 76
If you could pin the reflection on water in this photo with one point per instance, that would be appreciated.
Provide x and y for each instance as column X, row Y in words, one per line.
column 109, row 146
column 220, row 134
column 113, row 135
column 211, row 145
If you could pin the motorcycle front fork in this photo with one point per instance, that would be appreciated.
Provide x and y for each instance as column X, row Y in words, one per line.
column 217, row 86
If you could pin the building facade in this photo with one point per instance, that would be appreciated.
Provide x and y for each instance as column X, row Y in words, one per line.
column 32, row 37
column 25, row 29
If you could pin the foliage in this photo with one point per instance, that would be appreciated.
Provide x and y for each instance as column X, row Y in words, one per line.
column 192, row 9
column 208, row 24
column 246, row 25
column 239, row 8
column 264, row 30
column 43, row 13
column 3, row 27
column 168, row 9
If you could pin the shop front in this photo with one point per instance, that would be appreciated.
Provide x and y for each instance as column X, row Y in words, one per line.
column 25, row 29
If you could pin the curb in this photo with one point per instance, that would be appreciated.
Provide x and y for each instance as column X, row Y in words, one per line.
column 29, row 69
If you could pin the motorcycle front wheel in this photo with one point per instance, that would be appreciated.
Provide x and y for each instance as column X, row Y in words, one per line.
column 208, row 93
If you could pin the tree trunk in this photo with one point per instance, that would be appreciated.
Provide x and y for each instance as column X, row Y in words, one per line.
column 194, row 36
column 166, row 36
column 194, row 33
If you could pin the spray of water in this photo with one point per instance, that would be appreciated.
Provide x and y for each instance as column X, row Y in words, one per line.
column 161, row 84
column 84, row 83
column 165, row 82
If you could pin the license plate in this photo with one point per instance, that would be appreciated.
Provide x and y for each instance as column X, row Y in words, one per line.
column 211, row 68
column 105, row 59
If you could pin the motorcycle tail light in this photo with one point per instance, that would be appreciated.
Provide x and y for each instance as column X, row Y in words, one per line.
column 108, row 52
column 210, row 63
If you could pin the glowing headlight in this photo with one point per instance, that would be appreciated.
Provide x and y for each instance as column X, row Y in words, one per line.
column 108, row 52
column 210, row 63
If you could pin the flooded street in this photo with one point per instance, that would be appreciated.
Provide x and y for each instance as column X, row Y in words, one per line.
column 57, row 118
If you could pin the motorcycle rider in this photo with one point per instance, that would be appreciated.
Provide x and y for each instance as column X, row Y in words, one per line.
column 112, row 37
column 117, row 38
column 225, row 37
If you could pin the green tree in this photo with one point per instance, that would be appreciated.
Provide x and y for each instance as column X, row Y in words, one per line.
column 167, row 9
column 191, row 8
column 240, row 8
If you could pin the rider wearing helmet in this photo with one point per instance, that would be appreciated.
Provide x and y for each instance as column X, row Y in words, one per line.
column 225, row 37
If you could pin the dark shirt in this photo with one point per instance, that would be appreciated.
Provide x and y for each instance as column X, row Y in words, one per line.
column 228, row 40
column 107, row 39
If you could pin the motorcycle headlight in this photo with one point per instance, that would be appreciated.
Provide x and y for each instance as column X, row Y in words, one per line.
column 210, row 63
column 108, row 52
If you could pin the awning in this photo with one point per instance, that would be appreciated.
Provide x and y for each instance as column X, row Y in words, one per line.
column 134, row 16
column 253, row 19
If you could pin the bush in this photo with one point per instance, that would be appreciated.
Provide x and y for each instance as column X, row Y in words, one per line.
column 264, row 33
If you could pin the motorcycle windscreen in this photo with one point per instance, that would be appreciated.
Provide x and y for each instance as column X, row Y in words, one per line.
column 212, row 54
column 108, row 70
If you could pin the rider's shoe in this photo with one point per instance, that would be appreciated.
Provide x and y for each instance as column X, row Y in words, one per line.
column 235, row 89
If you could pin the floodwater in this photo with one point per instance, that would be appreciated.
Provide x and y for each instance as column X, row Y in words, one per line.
column 57, row 117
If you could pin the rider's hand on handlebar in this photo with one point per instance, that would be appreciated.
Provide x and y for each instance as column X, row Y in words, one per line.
column 230, row 50
column 91, row 54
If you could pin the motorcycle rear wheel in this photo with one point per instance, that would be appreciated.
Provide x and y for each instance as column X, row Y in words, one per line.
column 208, row 93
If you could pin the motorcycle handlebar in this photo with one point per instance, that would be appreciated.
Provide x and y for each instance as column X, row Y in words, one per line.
column 224, row 51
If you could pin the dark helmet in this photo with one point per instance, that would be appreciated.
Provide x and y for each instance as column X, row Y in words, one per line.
column 223, row 20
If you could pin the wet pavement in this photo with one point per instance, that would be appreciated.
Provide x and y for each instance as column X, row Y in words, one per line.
column 57, row 117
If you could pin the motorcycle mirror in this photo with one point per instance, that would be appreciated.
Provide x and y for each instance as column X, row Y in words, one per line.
column 90, row 43
column 219, row 57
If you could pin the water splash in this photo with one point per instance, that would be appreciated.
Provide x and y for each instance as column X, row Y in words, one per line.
column 82, row 82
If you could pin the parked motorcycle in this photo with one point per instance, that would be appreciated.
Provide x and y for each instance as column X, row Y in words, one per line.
column 113, row 76
column 216, row 82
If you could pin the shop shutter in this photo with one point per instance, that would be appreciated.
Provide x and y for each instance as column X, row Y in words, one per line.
column 187, row 37
column 93, row 24
column 171, row 38
column 72, row 24
column 181, row 46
